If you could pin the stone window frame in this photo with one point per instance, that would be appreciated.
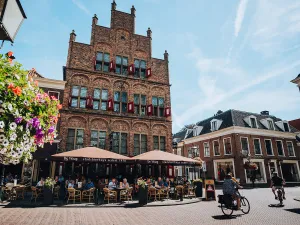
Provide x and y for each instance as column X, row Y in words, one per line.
column 140, row 106
column 140, row 151
column 159, row 142
column 139, row 71
column 123, row 68
column 102, row 62
column 283, row 155
column 158, row 110
column 119, row 142
column 99, row 138
column 120, row 102
column 78, row 98
column 204, row 148
column 100, row 100
column 75, row 138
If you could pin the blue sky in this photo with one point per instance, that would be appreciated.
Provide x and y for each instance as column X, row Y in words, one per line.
column 237, row 54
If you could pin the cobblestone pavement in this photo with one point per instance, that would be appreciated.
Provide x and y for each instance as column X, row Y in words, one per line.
column 197, row 213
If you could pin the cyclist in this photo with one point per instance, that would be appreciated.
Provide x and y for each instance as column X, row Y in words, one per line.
column 276, row 182
column 229, row 188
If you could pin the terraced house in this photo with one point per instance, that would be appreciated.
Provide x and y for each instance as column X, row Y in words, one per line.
column 117, row 96
column 225, row 140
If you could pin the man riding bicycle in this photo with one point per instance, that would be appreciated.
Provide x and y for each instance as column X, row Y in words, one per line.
column 229, row 188
column 277, row 182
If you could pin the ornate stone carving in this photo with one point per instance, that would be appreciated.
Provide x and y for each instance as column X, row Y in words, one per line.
column 98, row 124
column 120, row 125
column 101, row 83
column 141, row 127
column 79, row 80
column 159, row 129
column 76, row 122
column 121, row 85
column 158, row 91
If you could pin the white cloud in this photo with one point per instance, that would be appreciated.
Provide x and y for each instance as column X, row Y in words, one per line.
column 82, row 7
column 240, row 16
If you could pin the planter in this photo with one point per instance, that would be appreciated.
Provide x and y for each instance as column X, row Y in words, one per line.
column 48, row 196
column 198, row 190
column 143, row 195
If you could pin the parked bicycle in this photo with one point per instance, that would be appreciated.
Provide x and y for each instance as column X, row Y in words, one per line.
column 228, row 204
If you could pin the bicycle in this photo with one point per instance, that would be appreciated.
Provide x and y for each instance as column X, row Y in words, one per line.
column 228, row 206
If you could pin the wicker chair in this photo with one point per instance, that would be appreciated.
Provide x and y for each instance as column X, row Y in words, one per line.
column 35, row 193
column 56, row 192
column 18, row 193
column 73, row 195
column 152, row 192
column 179, row 191
column 126, row 194
column 88, row 194
column 163, row 193
column 110, row 195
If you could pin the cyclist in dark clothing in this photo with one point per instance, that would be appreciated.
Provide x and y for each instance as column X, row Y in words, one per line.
column 276, row 182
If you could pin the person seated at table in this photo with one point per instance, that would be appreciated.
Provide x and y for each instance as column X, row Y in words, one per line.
column 41, row 182
column 125, row 183
column 6, row 179
column 149, row 183
column 83, row 180
column 112, row 184
column 167, row 183
column 89, row 185
column 71, row 184
column 160, row 182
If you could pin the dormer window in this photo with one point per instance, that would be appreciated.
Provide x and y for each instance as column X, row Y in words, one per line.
column 251, row 121
column 286, row 126
column 215, row 124
column 283, row 125
column 270, row 124
column 197, row 130
column 188, row 131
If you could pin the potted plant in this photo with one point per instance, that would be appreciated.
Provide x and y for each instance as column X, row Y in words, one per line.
column 198, row 185
column 143, row 192
column 48, row 191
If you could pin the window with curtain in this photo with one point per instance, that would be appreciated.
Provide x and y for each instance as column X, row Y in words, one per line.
column 245, row 144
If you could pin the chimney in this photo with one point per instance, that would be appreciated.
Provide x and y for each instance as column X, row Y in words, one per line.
column 219, row 112
column 149, row 33
column 95, row 20
column 166, row 55
column 265, row 113
column 72, row 36
column 133, row 10
column 113, row 5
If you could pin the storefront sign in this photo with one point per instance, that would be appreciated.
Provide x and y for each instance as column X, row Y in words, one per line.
column 85, row 159
column 210, row 189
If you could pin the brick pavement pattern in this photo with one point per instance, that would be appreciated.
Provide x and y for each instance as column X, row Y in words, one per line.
column 198, row 213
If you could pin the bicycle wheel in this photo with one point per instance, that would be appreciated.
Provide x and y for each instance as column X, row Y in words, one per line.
column 227, row 211
column 245, row 205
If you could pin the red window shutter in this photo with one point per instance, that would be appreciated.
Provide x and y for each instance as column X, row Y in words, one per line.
column 70, row 101
column 131, row 69
column 112, row 66
column 130, row 107
column 167, row 111
column 110, row 104
column 94, row 62
column 148, row 72
column 149, row 110
column 90, row 105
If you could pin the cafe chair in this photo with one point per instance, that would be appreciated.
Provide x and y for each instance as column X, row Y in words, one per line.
column 56, row 192
column 110, row 195
column 152, row 193
column 163, row 193
column 18, row 193
column 35, row 193
column 73, row 195
column 179, row 191
column 191, row 192
column 88, row 194
column 123, row 195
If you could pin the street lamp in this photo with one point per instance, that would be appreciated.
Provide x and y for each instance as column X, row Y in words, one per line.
column 12, row 16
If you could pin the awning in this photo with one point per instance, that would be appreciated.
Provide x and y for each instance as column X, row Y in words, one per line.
column 91, row 154
column 165, row 158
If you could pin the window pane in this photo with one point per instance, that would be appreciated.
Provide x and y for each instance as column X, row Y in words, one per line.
column 117, row 107
column 118, row 69
column 161, row 112
column 279, row 147
column 99, row 56
column 269, row 147
column 99, row 66
column 124, row 97
column 124, row 107
column 83, row 92
column 117, row 96
column 161, row 102
column 94, row 134
column 143, row 73
column 97, row 93
column 290, row 149
column 136, row 99
column 244, row 144
column 79, row 133
column 154, row 101
column 104, row 94
column 136, row 144
column 143, row 64
column 253, row 123
column 143, row 100
column 143, row 143
column 136, row 109
column 75, row 90
column 106, row 67
column 136, row 63
column 103, row 105
column 118, row 60
column 286, row 127
column 125, row 61
column 96, row 105
column 106, row 57
column 257, row 147
column 143, row 110
column 101, row 143
column 227, row 146
column 162, row 143
column 123, row 143
column 155, row 143
column 216, row 148
column 74, row 102
column 82, row 103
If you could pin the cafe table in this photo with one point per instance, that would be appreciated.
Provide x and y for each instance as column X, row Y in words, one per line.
column 118, row 190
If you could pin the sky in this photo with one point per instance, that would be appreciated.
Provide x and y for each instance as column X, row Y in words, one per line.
column 237, row 54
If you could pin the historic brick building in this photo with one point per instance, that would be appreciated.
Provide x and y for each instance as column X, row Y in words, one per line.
column 224, row 140
column 117, row 96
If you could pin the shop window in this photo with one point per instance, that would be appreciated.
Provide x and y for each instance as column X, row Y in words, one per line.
column 78, row 99
column 102, row 61
column 290, row 172
column 258, row 174
column 74, row 139
column 224, row 168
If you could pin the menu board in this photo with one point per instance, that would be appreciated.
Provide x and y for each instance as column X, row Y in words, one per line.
column 210, row 191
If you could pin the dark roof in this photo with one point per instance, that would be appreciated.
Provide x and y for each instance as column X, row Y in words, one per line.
column 231, row 118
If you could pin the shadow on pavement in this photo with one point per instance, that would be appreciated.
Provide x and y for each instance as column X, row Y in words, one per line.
column 276, row 205
column 293, row 210
column 223, row 217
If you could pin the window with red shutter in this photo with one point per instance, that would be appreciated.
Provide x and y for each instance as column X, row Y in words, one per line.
column 149, row 110
column 130, row 107
column 148, row 72
column 167, row 111
column 131, row 69
column 112, row 66
column 110, row 104
column 102, row 62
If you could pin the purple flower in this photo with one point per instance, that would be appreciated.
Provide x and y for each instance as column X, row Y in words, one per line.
column 29, row 122
column 35, row 122
column 51, row 130
column 39, row 134
column 18, row 120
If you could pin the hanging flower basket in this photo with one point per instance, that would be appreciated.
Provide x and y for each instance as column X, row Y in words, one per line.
column 28, row 116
